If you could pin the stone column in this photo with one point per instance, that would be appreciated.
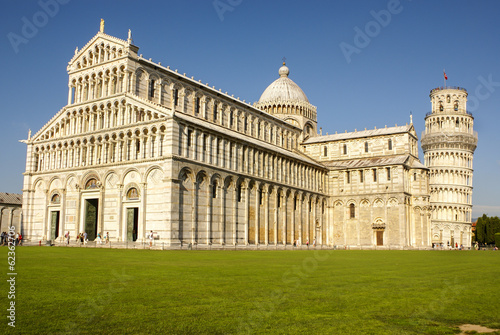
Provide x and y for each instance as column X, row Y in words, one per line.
column 292, row 223
column 247, row 210
column 194, row 212
column 285, row 215
column 276, row 216
column 70, row 94
column 257, row 212
column 210, row 201
column 222, row 223
column 300, row 217
column 142, row 212
column 122, row 233
column 63, row 214
column 266, row 215
column 235, row 213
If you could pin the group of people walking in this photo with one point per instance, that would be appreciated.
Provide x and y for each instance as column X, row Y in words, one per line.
column 83, row 238
column 296, row 243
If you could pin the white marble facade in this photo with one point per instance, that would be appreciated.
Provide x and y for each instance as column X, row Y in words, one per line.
column 448, row 142
column 142, row 148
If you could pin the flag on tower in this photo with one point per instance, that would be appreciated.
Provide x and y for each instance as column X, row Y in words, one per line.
column 445, row 76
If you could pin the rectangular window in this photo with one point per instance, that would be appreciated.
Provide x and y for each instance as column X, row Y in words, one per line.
column 348, row 177
column 360, row 176
column 415, row 176
column 374, row 175
column 345, row 149
column 190, row 132
column 215, row 112
column 325, row 151
column 176, row 97
column 389, row 144
column 388, row 173
column 366, row 146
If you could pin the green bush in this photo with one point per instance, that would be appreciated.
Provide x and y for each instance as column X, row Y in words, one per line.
column 497, row 239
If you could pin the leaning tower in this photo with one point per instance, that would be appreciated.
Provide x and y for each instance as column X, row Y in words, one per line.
column 448, row 143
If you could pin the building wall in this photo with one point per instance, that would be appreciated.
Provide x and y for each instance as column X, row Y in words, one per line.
column 10, row 215
column 154, row 149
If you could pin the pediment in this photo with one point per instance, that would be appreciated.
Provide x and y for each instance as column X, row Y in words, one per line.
column 52, row 128
column 411, row 130
column 100, row 48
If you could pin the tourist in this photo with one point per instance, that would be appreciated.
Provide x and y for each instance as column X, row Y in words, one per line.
column 20, row 239
column 99, row 239
column 314, row 243
column 81, row 238
column 85, row 237
column 2, row 237
column 67, row 237
column 107, row 237
column 151, row 239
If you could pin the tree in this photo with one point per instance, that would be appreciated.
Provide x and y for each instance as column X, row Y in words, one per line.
column 497, row 239
column 481, row 229
column 492, row 228
column 486, row 228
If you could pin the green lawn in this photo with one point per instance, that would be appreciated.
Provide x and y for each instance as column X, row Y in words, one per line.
column 109, row 291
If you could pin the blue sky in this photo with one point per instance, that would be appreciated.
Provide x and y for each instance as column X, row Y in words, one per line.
column 238, row 46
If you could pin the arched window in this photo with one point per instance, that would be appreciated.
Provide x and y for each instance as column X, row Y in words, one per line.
column 132, row 194
column 197, row 105
column 455, row 107
column 352, row 211
column 214, row 189
column 441, row 108
column 176, row 96
column 152, row 88
column 56, row 199
column 91, row 184
column 448, row 98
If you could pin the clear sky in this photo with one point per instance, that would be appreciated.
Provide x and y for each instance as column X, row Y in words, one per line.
column 362, row 63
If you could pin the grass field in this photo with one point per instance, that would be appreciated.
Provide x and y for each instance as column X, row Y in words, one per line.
column 111, row 291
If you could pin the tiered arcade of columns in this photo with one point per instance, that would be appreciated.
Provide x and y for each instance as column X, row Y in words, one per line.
column 448, row 143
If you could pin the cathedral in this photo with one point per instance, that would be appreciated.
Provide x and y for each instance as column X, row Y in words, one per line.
column 141, row 148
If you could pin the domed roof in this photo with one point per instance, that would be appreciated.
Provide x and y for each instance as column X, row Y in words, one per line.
column 283, row 89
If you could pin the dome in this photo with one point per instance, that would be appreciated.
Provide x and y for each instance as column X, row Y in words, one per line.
column 283, row 89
